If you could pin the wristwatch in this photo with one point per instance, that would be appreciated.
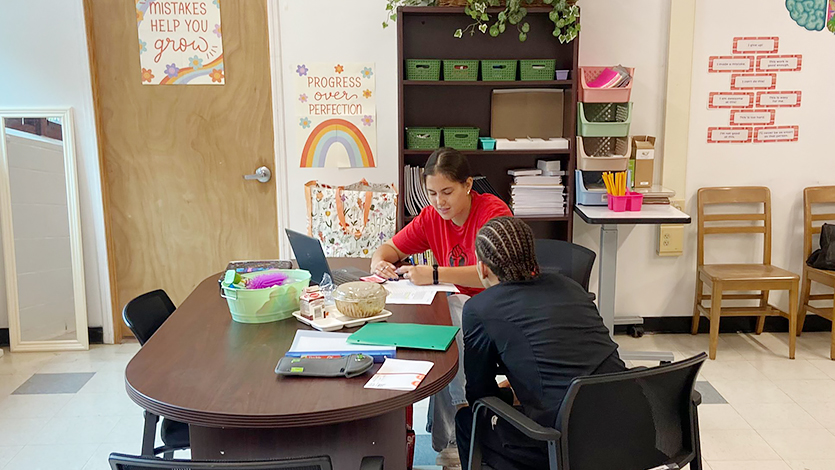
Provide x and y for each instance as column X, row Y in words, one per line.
column 435, row 274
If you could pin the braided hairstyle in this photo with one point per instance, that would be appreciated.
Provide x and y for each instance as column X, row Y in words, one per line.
column 506, row 246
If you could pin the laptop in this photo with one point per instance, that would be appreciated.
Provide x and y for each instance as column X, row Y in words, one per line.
column 311, row 258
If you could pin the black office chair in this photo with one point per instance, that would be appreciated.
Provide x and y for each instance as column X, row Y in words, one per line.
column 634, row 420
column 144, row 315
column 570, row 260
column 130, row 462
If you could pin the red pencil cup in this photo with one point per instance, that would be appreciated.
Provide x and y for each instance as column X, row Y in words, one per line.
column 636, row 200
column 618, row 203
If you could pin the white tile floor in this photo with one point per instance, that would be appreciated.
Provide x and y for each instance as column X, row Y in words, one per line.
column 780, row 413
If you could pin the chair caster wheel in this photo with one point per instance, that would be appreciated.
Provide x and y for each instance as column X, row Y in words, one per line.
column 635, row 331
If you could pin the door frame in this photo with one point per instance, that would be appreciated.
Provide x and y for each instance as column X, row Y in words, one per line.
column 282, row 192
column 111, row 323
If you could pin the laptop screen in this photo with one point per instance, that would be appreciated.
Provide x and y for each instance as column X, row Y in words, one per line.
column 309, row 255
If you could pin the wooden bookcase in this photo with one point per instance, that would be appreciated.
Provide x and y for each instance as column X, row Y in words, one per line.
column 427, row 33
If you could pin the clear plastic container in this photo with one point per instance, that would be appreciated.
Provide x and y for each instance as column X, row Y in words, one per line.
column 360, row 299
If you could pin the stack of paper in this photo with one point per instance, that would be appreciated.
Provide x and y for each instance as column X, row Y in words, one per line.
column 399, row 374
column 407, row 293
column 323, row 344
column 537, row 195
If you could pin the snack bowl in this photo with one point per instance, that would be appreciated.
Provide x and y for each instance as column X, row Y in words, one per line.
column 360, row 299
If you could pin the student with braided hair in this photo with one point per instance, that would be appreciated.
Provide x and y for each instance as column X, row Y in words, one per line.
column 543, row 328
column 448, row 227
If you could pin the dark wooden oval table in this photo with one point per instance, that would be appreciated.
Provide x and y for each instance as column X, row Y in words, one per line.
column 218, row 376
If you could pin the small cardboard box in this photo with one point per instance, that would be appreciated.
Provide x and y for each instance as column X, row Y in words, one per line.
column 643, row 152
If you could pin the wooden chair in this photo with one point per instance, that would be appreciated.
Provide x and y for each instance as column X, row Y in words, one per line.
column 811, row 196
column 720, row 278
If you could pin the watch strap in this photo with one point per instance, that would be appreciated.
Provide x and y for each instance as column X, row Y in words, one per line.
column 435, row 274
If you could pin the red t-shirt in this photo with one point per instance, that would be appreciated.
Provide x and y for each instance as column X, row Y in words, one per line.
column 452, row 245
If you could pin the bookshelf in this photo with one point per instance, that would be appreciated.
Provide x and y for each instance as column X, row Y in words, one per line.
column 426, row 33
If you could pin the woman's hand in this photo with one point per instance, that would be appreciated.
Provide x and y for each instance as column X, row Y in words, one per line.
column 419, row 275
column 384, row 269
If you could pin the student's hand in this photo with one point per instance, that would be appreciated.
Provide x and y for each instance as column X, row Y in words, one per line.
column 419, row 275
column 385, row 270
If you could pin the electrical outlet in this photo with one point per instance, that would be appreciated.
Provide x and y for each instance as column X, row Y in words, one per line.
column 670, row 240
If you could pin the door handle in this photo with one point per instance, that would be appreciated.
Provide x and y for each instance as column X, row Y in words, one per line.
column 262, row 175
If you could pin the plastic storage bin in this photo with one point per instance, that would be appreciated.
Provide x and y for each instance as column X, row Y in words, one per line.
column 539, row 69
column 562, row 74
column 604, row 119
column 461, row 70
column 487, row 143
column 629, row 202
column 461, row 138
column 423, row 69
column 266, row 305
column 603, row 95
column 603, row 153
column 498, row 70
column 423, row 138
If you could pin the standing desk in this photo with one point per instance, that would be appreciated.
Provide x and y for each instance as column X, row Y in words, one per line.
column 609, row 221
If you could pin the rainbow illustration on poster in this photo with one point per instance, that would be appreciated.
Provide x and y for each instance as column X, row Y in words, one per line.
column 343, row 133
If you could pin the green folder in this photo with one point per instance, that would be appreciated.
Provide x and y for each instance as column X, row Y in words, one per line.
column 405, row 335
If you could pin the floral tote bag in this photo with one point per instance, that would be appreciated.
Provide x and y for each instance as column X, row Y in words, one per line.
column 351, row 221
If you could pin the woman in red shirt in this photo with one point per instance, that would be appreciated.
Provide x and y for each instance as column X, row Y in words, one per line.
column 448, row 227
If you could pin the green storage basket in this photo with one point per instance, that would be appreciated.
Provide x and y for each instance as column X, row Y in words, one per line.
column 461, row 70
column 423, row 138
column 498, row 70
column 540, row 69
column 423, row 69
column 266, row 305
column 604, row 119
column 461, row 138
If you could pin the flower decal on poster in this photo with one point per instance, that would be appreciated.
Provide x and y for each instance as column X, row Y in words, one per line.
column 367, row 72
column 304, row 122
column 366, row 93
column 217, row 75
column 303, row 98
column 338, row 68
column 301, row 70
column 172, row 70
column 195, row 62
column 367, row 120
column 147, row 76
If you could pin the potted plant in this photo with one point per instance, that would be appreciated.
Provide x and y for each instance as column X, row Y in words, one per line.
column 564, row 14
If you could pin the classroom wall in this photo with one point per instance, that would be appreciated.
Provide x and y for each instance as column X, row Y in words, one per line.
column 45, row 65
column 635, row 34
column 786, row 168
column 348, row 32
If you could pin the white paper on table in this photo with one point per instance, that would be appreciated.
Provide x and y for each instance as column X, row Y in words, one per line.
column 400, row 374
column 407, row 293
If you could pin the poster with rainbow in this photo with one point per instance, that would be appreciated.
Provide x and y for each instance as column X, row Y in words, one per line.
column 180, row 43
column 336, row 111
